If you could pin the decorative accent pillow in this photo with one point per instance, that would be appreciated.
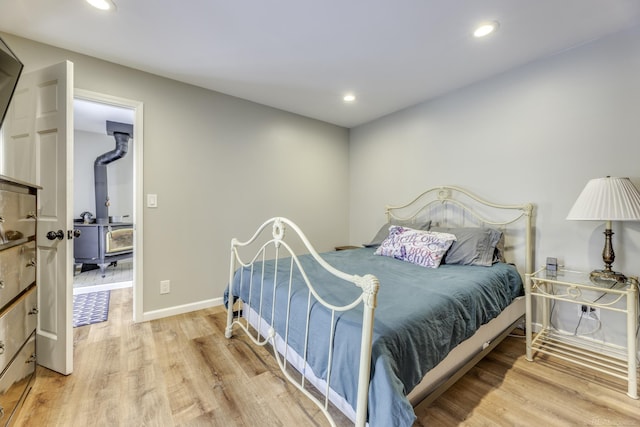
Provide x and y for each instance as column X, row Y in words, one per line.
column 473, row 246
column 425, row 248
column 384, row 230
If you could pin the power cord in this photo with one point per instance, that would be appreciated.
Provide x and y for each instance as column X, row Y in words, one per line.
column 585, row 309
column 575, row 332
column 555, row 328
column 597, row 328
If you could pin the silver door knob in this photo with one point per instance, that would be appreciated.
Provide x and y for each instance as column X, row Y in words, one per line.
column 53, row 235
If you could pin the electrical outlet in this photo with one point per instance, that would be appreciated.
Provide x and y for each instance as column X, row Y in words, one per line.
column 165, row 286
column 589, row 312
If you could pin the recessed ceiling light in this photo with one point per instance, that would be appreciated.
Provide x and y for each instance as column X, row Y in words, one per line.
column 486, row 28
column 102, row 4
column 349, row 98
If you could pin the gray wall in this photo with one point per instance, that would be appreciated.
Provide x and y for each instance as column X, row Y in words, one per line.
column 220, row 167
column 535, row 134
column 87, row 146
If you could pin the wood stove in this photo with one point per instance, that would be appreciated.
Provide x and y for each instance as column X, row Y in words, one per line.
column 105, row 242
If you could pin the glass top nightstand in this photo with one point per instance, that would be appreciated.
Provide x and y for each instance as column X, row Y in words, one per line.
column 577, row 288
column 577, row 284
column 581, row 278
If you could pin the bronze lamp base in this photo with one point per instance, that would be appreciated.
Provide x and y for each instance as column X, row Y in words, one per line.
column 607, row 276
column 608, row 256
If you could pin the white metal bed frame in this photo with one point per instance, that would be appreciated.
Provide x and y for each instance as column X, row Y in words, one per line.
column 368, row 284
column 444, row 206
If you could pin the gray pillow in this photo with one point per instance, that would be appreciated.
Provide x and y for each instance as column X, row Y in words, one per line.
column 473, row 246
column 498, row 255
column 384, row 230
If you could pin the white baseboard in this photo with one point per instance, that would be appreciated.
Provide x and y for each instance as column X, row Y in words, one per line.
column 105, row 287
column 181, row 309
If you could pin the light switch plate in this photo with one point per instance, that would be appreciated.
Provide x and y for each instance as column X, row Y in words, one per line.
column 152, row 200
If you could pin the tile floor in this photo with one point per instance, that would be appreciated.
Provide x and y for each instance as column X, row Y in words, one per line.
column 116, row 277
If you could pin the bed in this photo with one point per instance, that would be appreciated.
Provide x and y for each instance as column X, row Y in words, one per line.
column 378, row 330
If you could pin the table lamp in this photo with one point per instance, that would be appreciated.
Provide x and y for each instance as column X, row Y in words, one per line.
column 607, row 199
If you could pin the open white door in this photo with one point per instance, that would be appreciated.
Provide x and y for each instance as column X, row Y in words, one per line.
column 38, row 148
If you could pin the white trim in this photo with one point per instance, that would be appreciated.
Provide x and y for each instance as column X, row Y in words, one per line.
column 138, row 196
column 181, row 309
column 103, row 287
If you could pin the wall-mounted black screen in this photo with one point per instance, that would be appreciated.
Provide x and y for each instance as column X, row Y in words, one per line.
column 10, row 69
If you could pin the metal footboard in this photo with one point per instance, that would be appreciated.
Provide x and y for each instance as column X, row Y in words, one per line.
column 250, row 315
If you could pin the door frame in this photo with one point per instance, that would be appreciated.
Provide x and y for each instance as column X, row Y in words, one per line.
column 138, row 199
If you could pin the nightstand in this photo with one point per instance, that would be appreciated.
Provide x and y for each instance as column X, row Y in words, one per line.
column 571, row 286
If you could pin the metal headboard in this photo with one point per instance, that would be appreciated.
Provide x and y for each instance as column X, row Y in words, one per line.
column 450, row 206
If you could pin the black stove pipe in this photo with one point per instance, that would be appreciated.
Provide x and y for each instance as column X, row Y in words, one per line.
column 121, row 132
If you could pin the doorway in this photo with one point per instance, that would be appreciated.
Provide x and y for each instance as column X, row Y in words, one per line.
column 92, row 111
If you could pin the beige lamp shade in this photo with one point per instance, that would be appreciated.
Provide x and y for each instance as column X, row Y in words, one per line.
column 607, row 199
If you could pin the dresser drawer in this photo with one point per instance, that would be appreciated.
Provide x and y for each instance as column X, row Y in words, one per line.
column 16, row 324
column 15, row 381
column 17, row 270
column 17, row 216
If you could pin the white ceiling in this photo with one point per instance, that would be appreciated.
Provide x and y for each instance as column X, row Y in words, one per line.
column 92, row 116
column 304, row 55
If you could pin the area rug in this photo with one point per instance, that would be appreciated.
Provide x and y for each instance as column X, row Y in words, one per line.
column 90, row 308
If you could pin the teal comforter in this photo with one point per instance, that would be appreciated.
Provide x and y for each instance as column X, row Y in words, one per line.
column 422, row 315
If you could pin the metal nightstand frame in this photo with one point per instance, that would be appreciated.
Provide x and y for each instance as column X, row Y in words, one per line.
column 618, row 361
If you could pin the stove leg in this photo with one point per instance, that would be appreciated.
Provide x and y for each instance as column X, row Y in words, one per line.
column 103, row 267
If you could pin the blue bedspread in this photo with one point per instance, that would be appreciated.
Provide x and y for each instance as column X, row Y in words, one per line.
column 422, row 314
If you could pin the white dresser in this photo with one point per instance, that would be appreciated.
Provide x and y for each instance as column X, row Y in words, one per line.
column 18, row 296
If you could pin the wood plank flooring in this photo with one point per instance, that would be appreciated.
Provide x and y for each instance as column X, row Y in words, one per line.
column 181, row 371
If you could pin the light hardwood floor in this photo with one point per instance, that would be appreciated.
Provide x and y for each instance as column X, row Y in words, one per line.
column 181, row 371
